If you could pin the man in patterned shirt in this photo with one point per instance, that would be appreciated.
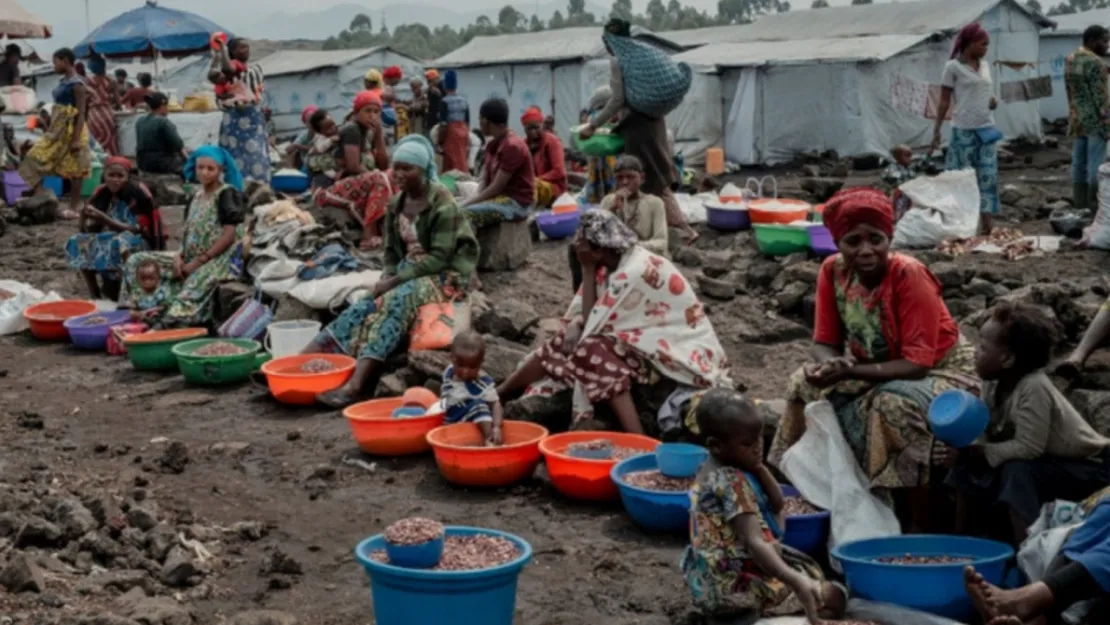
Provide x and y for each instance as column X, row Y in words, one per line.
column 1085, row 79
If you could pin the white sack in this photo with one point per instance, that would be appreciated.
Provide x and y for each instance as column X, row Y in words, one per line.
column 944, row 207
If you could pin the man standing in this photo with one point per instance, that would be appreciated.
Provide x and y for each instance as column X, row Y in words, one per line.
column 9, row 69
column 1088, row 99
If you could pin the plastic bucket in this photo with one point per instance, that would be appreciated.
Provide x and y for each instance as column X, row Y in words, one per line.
column 13, row 187
column 289, row 338
column 55, row 184
column 958, row 418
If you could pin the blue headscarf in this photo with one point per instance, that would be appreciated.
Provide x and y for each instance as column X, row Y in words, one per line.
column 417, row 151
column 451, row 80
column 222, row 157
column 97, row 65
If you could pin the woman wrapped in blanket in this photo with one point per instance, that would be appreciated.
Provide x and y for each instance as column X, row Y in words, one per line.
column 430, row 254
column 211, row 245
column 120, row 219
column 634, row 319
column 885, row 347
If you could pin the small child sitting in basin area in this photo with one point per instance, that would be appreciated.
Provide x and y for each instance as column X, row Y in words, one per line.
column 154, row 295
column 468, row 393
column 733, row 565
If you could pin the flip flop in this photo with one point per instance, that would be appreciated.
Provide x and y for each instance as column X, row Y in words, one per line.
column 337, row 399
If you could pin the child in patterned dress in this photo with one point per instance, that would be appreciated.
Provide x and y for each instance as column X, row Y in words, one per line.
column 901, row 171
column 154, row 295
column 734, row 564
column 468, row 393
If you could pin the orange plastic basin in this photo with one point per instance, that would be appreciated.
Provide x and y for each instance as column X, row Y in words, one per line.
column 464, row 460
column 419, row 396
column 378, row 434
column 161, row 336
column 289, row 385
column 586, row 478
column 778, row 211
column 46, row 320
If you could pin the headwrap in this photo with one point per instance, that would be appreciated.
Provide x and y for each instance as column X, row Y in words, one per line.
column 604, row 229
column 366, row 98
column 372, row 75
column 307, row 113
column 118, row 161
column 222, row 157
column 431, row 74
column 861, row 205
column 392, row 72
column 155, row 99
column 532, row 115
column 451, row 80
column 97, row 65
column 417, row 151
column 968, row 34
column 619, row 27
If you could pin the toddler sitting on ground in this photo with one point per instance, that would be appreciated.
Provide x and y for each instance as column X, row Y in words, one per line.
column 468, row 393
column 321, row 155
column 154, row 297
column 901, row 171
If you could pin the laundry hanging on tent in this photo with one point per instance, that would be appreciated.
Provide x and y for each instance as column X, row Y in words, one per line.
column 932, row 104
column 1027, row 90
column 909, row 95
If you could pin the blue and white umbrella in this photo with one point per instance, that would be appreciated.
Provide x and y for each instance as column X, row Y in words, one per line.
column 148, row 30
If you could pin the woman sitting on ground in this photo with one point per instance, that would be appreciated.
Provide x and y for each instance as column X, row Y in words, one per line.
column 120, row 219
column 430, row 253
column 548, row 161
column 635, row 317
column 158, row 145
column 642, row 212
column 885, row 347
column 508, row 187
column 211, row 246
column 363, row 187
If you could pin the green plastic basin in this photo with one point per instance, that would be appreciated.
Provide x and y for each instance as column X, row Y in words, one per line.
column 600, row 145
column 780, row 240
column 153, row 351
column 218, row 370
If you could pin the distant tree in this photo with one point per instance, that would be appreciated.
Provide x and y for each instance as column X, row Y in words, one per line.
column 557, row 21
column 1034, row 6
column 576, row 7
column 656, row 15
column 744, row 11
column 861, row 1
column 819, row 4
column 509, row 20
column 536, row 25
column 1078, row 6
column 622, row 9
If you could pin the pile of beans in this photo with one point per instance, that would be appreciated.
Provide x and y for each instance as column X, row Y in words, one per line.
column 94, row 321
column 596, row 445
column 220, row 348
column 413, row 531
column 654, row 480
column 317, row 365
column 912, row 559
column 468, row 553
column 794, row 506
column 615, row 451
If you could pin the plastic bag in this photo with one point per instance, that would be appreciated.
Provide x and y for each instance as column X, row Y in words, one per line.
column 250, row 321
column 437, row 325
column 944, row 207
column 1097, row 235
column 23, row 296
column 888, row 614
column 823, row 468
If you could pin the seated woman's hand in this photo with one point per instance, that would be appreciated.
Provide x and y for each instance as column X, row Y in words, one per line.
column 383, row 286
column 191, row 268
column 829, row 372
column 571, row 338
column 93, row 215
column 179, row 267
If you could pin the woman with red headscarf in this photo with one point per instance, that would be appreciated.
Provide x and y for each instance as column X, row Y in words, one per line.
column 548, row 162
column 364, row 186
column 885, row 347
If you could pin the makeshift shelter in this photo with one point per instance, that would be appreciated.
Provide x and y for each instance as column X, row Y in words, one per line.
column 826, row 79
column 327, row 79
column 1055, row 47
column 557, row 71
column 175, row 77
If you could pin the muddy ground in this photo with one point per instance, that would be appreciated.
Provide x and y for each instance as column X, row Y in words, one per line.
column 264, row 488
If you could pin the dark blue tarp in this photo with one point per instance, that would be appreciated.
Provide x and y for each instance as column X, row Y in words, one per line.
column 144, row 30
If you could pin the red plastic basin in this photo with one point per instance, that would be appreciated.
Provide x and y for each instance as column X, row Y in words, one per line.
column 377, row 433
column 47, row 320
column 464, row 460
column 587, row 478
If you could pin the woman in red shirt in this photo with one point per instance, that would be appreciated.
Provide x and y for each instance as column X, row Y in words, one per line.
column 548, row 161
column 885, row 347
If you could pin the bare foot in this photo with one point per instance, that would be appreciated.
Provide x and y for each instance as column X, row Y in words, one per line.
column 976, row 588
column 1026, row 603
column 835, row 601
column 338, row 399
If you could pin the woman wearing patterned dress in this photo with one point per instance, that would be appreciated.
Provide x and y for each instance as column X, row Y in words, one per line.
column 243, row 130
column 103, row 103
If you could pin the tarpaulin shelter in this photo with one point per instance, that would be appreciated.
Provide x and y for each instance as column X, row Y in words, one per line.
column 1056, row 45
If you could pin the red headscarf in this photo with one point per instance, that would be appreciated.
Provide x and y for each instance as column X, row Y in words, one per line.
column 968, row 34
column 118, row 161
column 861, row 205
column 532, row 115
column 366, row 98
column 392, row 73
column 307, row 113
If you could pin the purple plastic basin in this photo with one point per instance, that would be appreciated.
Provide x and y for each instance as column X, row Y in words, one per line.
column 558, row 226
column 820, row 239
column 94, row 337
column 728, row 219
column 13, row 187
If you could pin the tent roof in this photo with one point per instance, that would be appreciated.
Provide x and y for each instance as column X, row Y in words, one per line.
column 286, row 62
column 717, row 56
column 1075, row 23
column 553, row 46
column 894, row 18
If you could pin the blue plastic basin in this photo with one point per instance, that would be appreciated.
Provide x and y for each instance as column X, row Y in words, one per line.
column 680, row 459
column 407, row 412
column 808, row 533
column 657, row 511
column 55, row 184
column 94, row 337
column 558, row 226
column 424, row 597
column 289, row 183
column 934, row 588
column 958, row 418
column 422, row 556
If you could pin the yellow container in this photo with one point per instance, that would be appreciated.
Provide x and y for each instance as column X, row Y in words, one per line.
column 714, row 161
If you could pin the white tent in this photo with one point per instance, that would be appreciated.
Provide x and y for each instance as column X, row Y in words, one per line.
column 821, row 79
column 176, row 77
column 327, row 79
column 1056, row 45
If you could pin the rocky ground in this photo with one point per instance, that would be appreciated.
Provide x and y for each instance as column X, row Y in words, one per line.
column 129, row 498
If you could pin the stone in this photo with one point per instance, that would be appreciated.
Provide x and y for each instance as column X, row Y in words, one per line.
column 75, row 519
column 867, row 162
column 431, row 363
column 688, row 256
column 142, row 518
column 21, row 574
column 811, row 171
column 772, row 411
column 761, row 273
column 179, row 568
column 158, row 611
column 806, row 272
column 717, row 289
column 789, row 299
column 174, row 457
column 504, row 246
column 37, row 209
column 1010, row 194
column 502, row 358
column 508, row 318
column 121, row 580
column 986, row 288
column 391, row 385
column 100, row 545
column 718, row 263
column 949, row 274
column 262, row 617
column 280, row 563
column 105, row 619
column 821, row 188
column 160, row 539
column 10, row 523
column 841, row 169
column 37, row 532
column 250, row 530
column 1095, row 408
column 168, row 189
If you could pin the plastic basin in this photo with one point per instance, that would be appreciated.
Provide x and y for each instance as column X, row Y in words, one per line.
column 463, row 460
column 378, row 434
column 727, row 216
column 407, row 412
column 600, row 144
column 423, row 597
column 419, row 396
column 587, row 478
column 778, row 211
column 680, row 459
column 557, row 226
column 218, row 370
column 653, row 510
column 290, row 183
column 89, row 184
column 780, row 240
column 95, row 336
column 14, row 186
column 821, row 241
column 55, row 184
column 958, row 417
column 422, row 556
column 808, row 533
column 153, row 351
column 933, row 588
column 47, row 320
column 290, row 385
